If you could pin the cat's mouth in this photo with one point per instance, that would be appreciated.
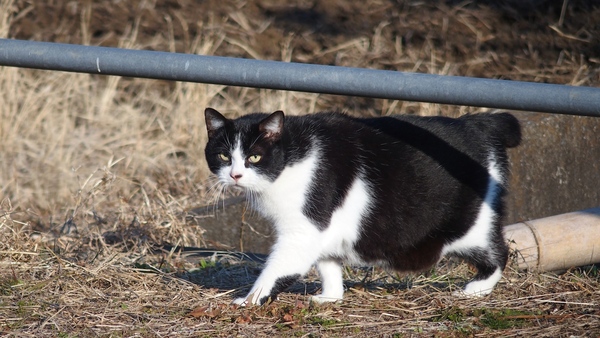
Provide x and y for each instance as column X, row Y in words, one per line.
column 235, row 185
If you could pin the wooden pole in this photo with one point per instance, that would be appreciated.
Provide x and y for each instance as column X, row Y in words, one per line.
column 558, row 242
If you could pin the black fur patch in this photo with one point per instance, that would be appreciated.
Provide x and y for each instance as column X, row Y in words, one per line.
column 280, row 285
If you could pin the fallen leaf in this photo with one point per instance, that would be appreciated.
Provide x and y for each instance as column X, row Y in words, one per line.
column 205, row 311
column 288, row 317
column 244, row 318
column 198, row 312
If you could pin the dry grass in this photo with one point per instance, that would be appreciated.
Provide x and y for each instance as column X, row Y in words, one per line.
column 81, row 286
column 97, row 172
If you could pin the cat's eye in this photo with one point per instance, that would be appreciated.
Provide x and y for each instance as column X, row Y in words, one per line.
column 223, row 157
column 254, row 158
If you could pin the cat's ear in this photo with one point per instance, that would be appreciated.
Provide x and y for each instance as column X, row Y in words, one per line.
column 272, row 126
column 214, row 121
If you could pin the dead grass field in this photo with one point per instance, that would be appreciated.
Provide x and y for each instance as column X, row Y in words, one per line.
column 97, row 173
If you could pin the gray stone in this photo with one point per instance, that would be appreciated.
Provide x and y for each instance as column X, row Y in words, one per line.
column 556, row 168
column 233, row 225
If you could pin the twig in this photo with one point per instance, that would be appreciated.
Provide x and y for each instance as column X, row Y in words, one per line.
column 565, row 35
column 563, row 11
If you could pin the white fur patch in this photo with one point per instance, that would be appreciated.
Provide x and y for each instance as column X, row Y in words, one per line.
column 479, row 234
column 238, row 160
column 338, row 241
column 332, row 283
column 344, row 230
column 283, row 199
column 482, row 287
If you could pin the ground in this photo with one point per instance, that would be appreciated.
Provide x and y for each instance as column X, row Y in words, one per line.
column 98, row 173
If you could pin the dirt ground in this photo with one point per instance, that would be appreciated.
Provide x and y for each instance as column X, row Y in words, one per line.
column 98, row 173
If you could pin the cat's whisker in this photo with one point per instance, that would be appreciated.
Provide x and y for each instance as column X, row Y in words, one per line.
column 251, row 200
column 215, row 186
column 216, row 190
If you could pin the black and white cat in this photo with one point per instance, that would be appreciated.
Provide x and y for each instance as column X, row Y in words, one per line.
column 398, row 192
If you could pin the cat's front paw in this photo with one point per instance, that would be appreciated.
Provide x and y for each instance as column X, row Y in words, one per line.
column 320, row 299
column 255, row 298
column 242, row 301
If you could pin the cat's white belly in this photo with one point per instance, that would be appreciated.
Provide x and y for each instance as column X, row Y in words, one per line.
column 339, row 237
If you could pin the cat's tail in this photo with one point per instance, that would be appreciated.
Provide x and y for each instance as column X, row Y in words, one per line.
column 502, row 127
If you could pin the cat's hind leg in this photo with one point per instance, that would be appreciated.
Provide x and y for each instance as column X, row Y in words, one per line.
column 483, row 245
column 332, row 282
column 489, row 263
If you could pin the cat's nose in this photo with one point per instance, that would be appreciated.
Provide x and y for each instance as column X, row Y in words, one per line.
column 235, row 177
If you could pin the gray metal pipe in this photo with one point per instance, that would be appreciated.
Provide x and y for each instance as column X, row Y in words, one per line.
column 457, row 90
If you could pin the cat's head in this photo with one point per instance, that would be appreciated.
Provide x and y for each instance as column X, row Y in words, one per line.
column 245, row 152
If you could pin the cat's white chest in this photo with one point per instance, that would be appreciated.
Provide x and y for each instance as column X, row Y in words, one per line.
column 283, row 199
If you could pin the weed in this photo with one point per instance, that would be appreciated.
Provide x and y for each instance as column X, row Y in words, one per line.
column 207, row 264
column 453, row 314
column 321, row 321
column 506, row 319
column 282, row 327
column 7, row 286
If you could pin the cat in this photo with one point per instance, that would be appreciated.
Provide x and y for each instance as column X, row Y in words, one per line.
column 398, row 192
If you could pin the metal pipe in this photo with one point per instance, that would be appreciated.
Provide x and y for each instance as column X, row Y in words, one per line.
column 458, row 90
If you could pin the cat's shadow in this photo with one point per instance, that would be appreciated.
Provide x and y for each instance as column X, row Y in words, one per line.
column 237, row 279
